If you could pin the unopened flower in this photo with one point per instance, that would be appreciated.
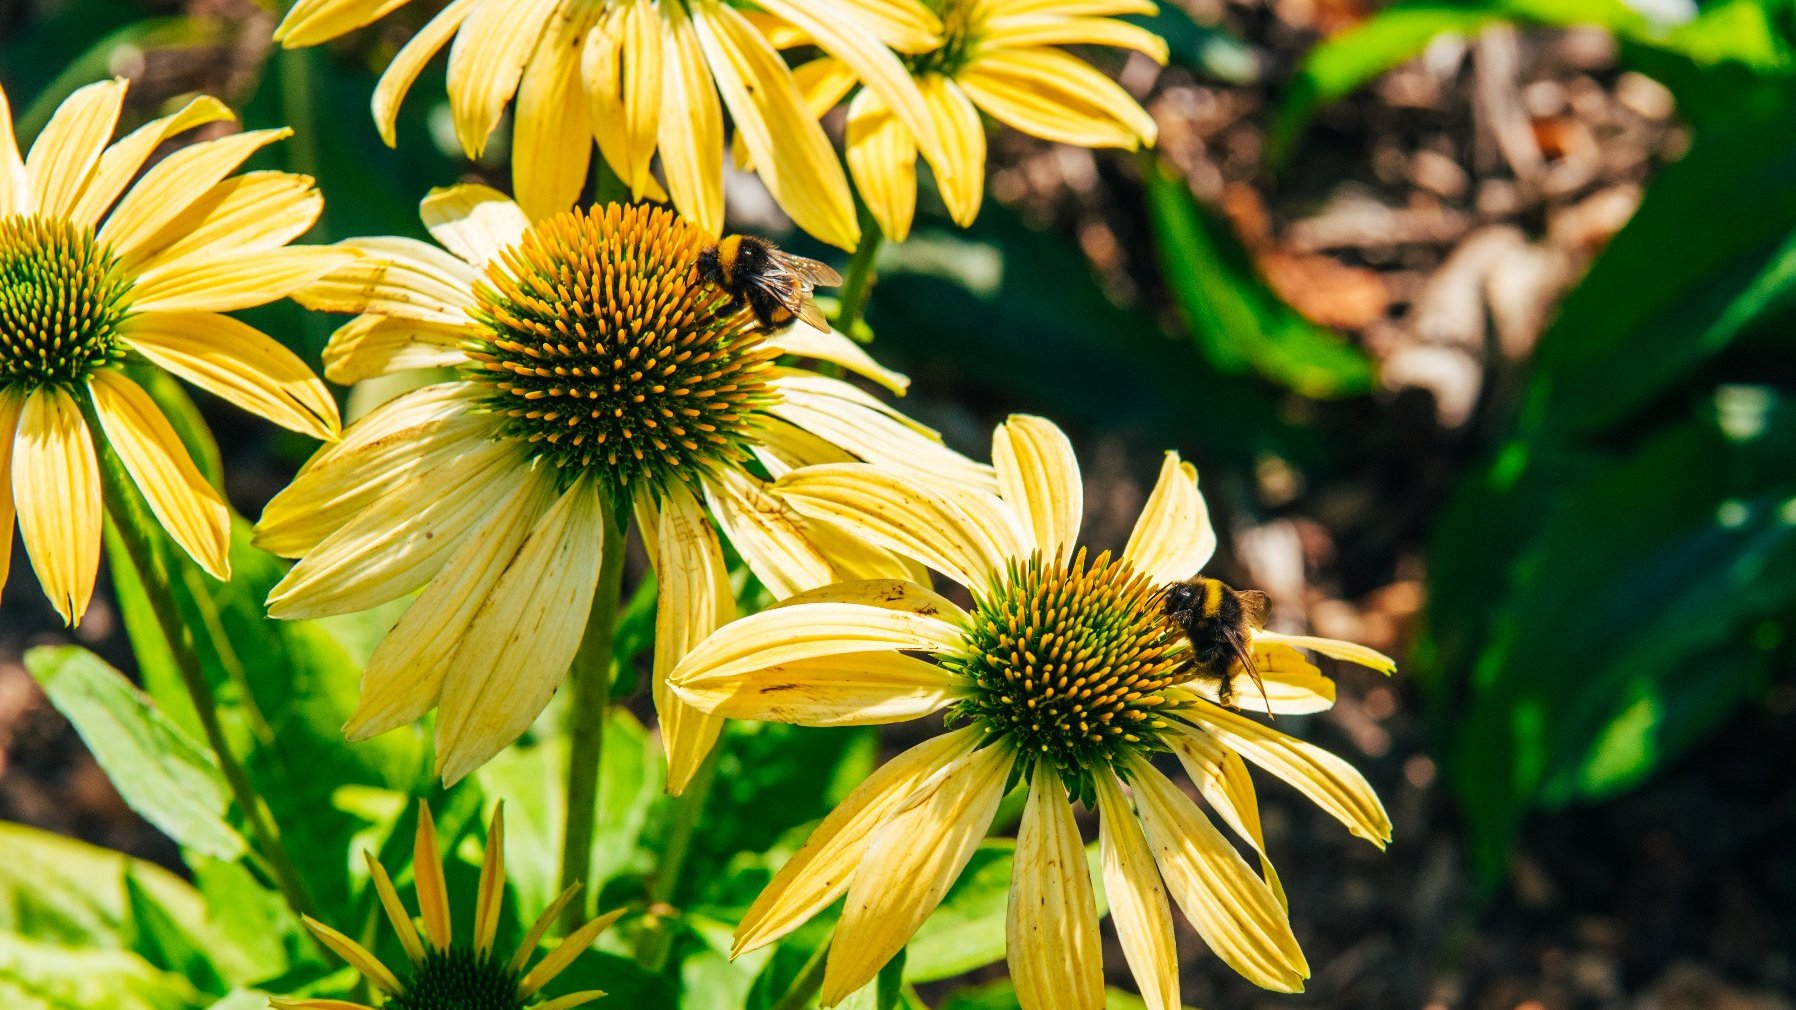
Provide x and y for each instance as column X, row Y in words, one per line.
column 442, row 973
column 597, row 374
column 1065, row 674
column 98, row 276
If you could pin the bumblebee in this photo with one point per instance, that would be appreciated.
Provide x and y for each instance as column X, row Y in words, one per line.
column 774, row 285
column 1219, row 622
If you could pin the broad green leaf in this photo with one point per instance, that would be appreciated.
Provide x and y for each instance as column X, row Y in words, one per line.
column 161, row 772
column 1237, row 321
column 68, row 892
column 967, row 930
column 39, row 975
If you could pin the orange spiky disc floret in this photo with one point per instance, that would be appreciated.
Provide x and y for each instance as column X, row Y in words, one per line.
column 610, row 356
column 62, row 298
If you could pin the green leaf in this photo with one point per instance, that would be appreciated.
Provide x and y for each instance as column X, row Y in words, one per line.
column 967, row 930
column 40, row 975
column 161, row 772
column 97, row 62
column 1237, row 321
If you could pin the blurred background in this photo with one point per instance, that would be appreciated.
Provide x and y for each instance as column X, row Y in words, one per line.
column 1477, row 319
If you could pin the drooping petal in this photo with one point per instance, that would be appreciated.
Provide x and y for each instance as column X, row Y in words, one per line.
column 549, row 152
column 910, row 864
column 905, row 26
column 641, row 74
column 1334, row 648
column 1221, row 776
column 882, row 157
column 516, row 652
column 370, row 346
column 788, row 552
column 239, row 363
column 960, row 177
column 12, row 403
column 857, row 421
column 137, row 225
column 1137, row 897
column 803, row 340
column 56, row 487
column 122, row 160
column 191, row 510
column 690, row 134
column 790, row 150
column 67, row 151
column 473, row 221
column 1021, row 31
column 1173, row 538
column 1052, row 925
column 802, row 631
column 310, row 22
column 1038, row 475
column 1233, row 910
column 15, row 196
column 1330, row 782
column 404, row 677
column 1056, row 96
column 486, row 61
column 820, row 871
column 1293, row 685
column 403, row 70
column 694, row 599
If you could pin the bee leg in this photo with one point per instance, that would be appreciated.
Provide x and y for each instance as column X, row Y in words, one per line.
column 1225, row 689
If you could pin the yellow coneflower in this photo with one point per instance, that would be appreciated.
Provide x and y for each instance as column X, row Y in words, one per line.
column 97, row 275
column 597, row 372
column 999, row 57
column 641, row 76
column 1065, row 675
column 442, row 974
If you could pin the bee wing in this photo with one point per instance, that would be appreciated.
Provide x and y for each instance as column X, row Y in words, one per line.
column 1255, row 607
column 810, row 313
column 808, row 271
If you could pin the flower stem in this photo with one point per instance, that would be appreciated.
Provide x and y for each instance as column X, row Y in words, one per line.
column 153, row 563
column 861, row 271
column 589, row 706
column 689, row 807
column 809, row 981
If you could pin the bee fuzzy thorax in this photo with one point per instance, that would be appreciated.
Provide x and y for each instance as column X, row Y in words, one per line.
column 1218, row 623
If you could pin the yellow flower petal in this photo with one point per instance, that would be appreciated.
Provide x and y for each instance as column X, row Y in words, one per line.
column 358, row 956
column 694, row 599
column 137, row 226
column 396, row 277
column 370, row 346
column 690, row 135
column 433, row 889
column 12, row 402
column 1055, row 96
column 1137, row 898
column 882, row 157
column 803, row 340
column 788, row 552
column 491, row 893
column 404, row 677
column 819, row 872
column 1080, row 8
column 223, row 282
column 849, row 417
column 824, row 82
column 789, row 148
column 253, row 212
column 486, row 62
column 397, row 915
column 394, row 442
column 279, row 1003
column 401, row 541
column 966, row 535
column 1020, row 31
column 540, row 928
column 904, row 25
column 239, row 363
column 564, row 954
column 1039, row 477
column 906, row 595
column 191, row 510
column 1173, row 538
column 1331, row 783
column 550, row 152
column 1052, row 925
column 1234, row 911
column 56, row 488
column 310, row 22
column 122, row 160
column 65, row 154
column 517, row 649
column 961, row 177
column 1293, row 685
column 1221, row 776
column 639, row 30
column 910, row 864
column 864, row 689
column 1333, row 648
column 403, row 70
column 811, row 630
column 15, row 196
column 473, row 221
column 571, row 1000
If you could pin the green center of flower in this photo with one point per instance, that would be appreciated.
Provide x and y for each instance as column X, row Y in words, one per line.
column 457, row 979
column 1070, row 663
column 62, row 297
column 610, row 356
column 963, row 24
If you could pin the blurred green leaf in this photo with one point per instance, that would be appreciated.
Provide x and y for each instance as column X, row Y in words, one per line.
column 1207, row 50
column 161, row 772
column 98, row 61
column 40, row 975
column 1237, row 321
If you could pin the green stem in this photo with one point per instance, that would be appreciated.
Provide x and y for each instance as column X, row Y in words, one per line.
column 859, row 280
column 808, row 983
column 589, row 703
column 153, row 573
column 689, row 807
